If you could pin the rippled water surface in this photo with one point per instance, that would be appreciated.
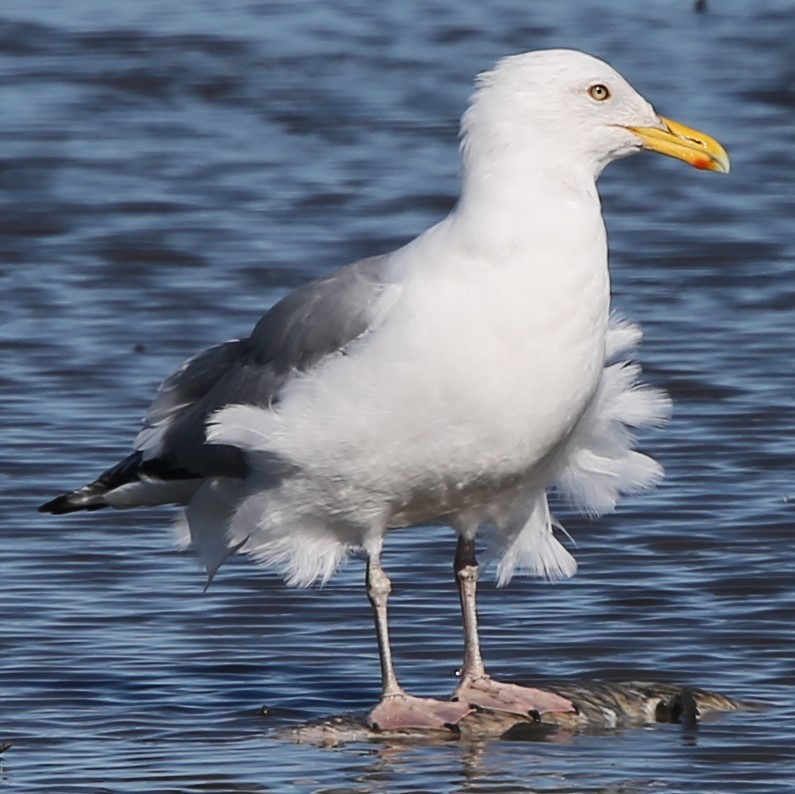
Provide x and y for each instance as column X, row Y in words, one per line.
column 167, row 171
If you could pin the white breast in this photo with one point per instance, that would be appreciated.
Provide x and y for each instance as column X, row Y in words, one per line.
column 480, row 370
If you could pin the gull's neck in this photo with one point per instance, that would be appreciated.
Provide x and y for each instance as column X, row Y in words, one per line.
column 509, row 199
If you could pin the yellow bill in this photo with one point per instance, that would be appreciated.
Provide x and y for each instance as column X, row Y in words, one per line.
column 684, row 143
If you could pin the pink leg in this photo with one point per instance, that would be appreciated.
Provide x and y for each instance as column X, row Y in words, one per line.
column 476, row 687
column 396, row 709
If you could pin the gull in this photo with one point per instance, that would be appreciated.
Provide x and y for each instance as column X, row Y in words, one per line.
column 454, row 381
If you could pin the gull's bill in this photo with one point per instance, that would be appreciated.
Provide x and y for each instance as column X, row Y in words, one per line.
column 676, row 140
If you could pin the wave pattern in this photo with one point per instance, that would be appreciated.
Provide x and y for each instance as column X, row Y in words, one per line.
column 168, row 170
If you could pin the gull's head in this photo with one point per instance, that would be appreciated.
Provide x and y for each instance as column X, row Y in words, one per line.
column 571, row 111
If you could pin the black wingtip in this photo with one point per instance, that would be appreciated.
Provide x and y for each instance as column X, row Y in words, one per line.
column 65, row 504
column 56, row 506
column 130, row 470
column 90, row 497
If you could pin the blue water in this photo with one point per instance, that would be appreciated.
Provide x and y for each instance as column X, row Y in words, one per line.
column 167, row 171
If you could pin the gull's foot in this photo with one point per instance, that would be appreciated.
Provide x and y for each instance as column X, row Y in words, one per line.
column 514, row 699
column 401, row 712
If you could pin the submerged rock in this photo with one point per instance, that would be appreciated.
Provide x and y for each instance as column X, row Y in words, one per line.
column 602, row 707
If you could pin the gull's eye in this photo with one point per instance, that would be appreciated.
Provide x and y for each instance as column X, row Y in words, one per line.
column 599, row 92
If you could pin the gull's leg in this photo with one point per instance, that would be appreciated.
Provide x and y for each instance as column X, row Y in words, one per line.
column 476, row 687
column 396, row 709
column 466, row 570
column 378, row 590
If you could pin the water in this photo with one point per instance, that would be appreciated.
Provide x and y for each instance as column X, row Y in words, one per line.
column 167, row 171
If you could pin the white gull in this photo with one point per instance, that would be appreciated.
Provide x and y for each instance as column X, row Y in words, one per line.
column 455, row 381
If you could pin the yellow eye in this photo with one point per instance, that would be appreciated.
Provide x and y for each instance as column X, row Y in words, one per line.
column 599, row 92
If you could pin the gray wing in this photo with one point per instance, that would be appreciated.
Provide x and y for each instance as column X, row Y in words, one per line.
column 317, row 320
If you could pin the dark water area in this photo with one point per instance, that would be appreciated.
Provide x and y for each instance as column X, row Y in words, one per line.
column 167, row 171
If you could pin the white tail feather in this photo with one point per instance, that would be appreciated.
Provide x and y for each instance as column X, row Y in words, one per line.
column 242, row 426
column 535, row 550
column 207, row 517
